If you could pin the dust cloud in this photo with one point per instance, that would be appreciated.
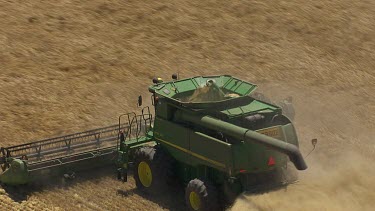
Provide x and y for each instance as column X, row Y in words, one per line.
column 341, row 170
column 345, row 187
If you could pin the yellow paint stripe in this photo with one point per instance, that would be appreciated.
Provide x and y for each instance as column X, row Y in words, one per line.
column 194, row 154
column 273, row 132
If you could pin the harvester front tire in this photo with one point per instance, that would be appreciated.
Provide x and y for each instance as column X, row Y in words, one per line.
column 143, row 174
column 152, row 169
column 201, row 195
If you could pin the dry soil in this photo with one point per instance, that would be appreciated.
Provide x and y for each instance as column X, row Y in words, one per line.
column 71, row 65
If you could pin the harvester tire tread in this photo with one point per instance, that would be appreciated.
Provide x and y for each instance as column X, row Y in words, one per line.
column 207, row 193
column 145, row 154
column 161, row 165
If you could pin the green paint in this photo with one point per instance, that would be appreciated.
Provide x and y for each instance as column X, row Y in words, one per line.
column 16, row 174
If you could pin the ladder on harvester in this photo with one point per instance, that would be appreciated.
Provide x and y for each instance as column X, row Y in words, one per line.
column 137, row 134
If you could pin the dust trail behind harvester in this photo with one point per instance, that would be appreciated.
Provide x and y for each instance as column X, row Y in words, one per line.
column 347, row 187
column 341, row 173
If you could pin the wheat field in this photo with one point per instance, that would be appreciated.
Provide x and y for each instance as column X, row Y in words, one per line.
column 72, row 65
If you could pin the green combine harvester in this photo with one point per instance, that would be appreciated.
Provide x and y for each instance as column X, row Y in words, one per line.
column 208, row 133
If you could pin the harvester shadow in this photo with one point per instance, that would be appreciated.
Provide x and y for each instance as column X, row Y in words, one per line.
column 171, row 197
column 166, row 199
column 21, row 193
column 266, row 189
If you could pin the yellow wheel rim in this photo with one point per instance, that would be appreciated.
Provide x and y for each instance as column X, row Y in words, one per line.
column 145, row 174
column 195, row 201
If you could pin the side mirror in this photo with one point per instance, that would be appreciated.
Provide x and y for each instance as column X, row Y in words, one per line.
column 140, row 100
column 175, row 76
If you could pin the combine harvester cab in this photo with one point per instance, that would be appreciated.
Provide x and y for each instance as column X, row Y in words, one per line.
column 215, row 138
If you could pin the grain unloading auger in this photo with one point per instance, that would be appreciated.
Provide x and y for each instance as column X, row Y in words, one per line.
column 207, row 132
